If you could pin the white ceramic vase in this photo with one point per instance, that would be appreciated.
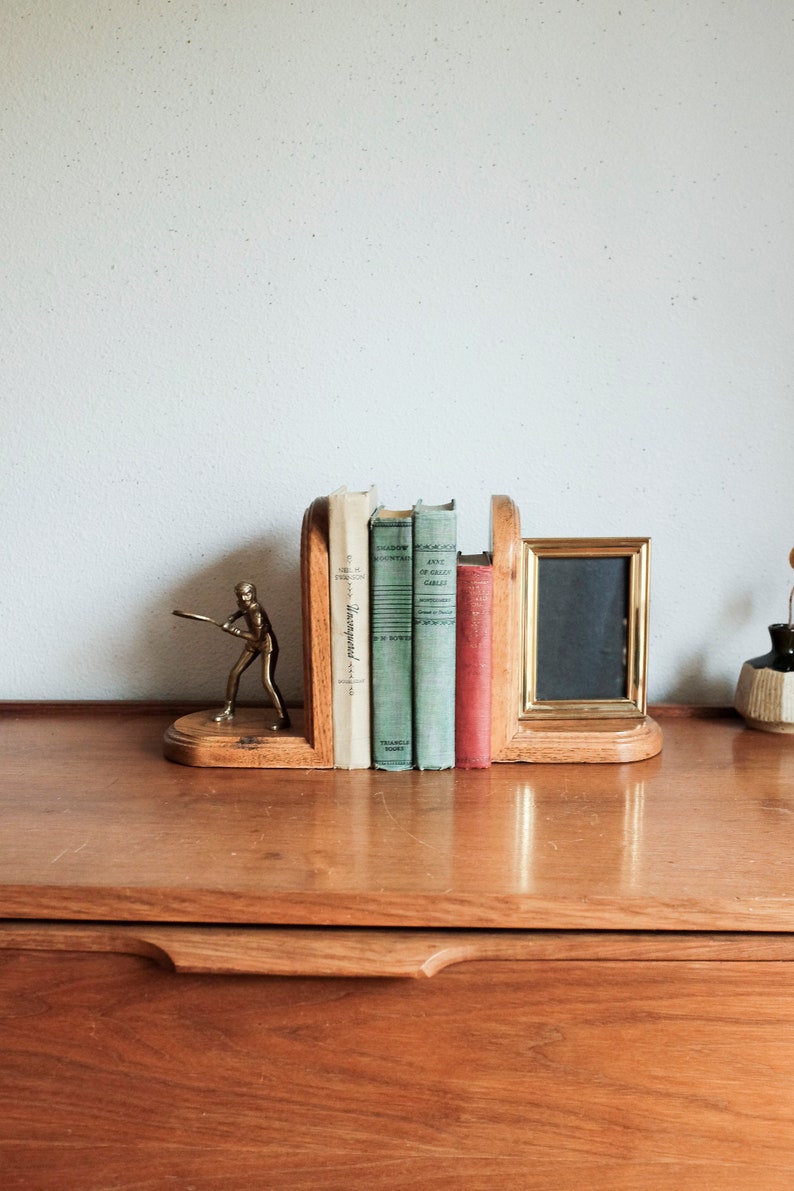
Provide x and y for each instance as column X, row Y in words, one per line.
column 765, row 690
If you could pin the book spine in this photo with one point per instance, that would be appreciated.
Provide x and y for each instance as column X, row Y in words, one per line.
column 435, row 554
column 348, row 559
column 473, row 667
column 391, row 566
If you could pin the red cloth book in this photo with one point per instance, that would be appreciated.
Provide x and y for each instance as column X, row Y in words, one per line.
column 473, row 665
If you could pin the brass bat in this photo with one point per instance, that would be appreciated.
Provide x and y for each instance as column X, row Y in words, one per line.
column 197, row 616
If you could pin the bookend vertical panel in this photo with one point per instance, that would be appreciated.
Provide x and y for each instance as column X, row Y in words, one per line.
column 315, row 595
column 506, row 645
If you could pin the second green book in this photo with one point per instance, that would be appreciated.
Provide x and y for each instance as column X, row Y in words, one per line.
column 435, row 579
column 391, row 607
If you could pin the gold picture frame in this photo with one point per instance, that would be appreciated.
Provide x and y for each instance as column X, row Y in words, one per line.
column 584, row 630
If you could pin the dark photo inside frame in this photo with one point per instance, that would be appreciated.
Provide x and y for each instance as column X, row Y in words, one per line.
column 582, row 628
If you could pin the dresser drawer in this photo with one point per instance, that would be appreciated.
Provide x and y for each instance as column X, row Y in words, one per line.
column 536, row 1073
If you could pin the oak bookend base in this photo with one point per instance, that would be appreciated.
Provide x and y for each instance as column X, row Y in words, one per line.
column 562, row 741
column 246, row 742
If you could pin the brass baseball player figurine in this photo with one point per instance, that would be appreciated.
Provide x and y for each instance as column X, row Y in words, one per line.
column 260, row 640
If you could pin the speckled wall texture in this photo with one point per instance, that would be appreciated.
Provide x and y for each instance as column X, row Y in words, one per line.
column 255, row 249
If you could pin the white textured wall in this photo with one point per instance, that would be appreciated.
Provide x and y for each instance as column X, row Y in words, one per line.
column 254, row 249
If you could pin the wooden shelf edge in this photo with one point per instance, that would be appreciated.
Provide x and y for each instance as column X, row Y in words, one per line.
column 178, row 707
column 695, row 711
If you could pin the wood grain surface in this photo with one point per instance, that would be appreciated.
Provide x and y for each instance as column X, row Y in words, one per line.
column 541, row 1075
column 95, row 824
column 611, row 951
column 506, row 554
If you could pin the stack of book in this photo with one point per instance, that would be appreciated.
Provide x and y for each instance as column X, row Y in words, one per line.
column 410, row 638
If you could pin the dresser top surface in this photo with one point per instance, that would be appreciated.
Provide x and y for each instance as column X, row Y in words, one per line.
column 95, row 824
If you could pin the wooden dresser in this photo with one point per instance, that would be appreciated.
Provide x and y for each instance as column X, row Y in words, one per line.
column 524, row 977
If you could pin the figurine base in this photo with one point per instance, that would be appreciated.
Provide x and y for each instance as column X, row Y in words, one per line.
column 572, row 741
column 249, row 741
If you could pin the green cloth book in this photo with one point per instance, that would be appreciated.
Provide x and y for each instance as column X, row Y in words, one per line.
column 435, row 576
column 391, row 606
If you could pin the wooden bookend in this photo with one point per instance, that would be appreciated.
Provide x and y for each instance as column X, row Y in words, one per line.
column 246, row 742
column 547, row 740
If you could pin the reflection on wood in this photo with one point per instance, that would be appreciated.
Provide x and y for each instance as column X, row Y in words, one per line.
column 610, row 952
column 103, row 828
